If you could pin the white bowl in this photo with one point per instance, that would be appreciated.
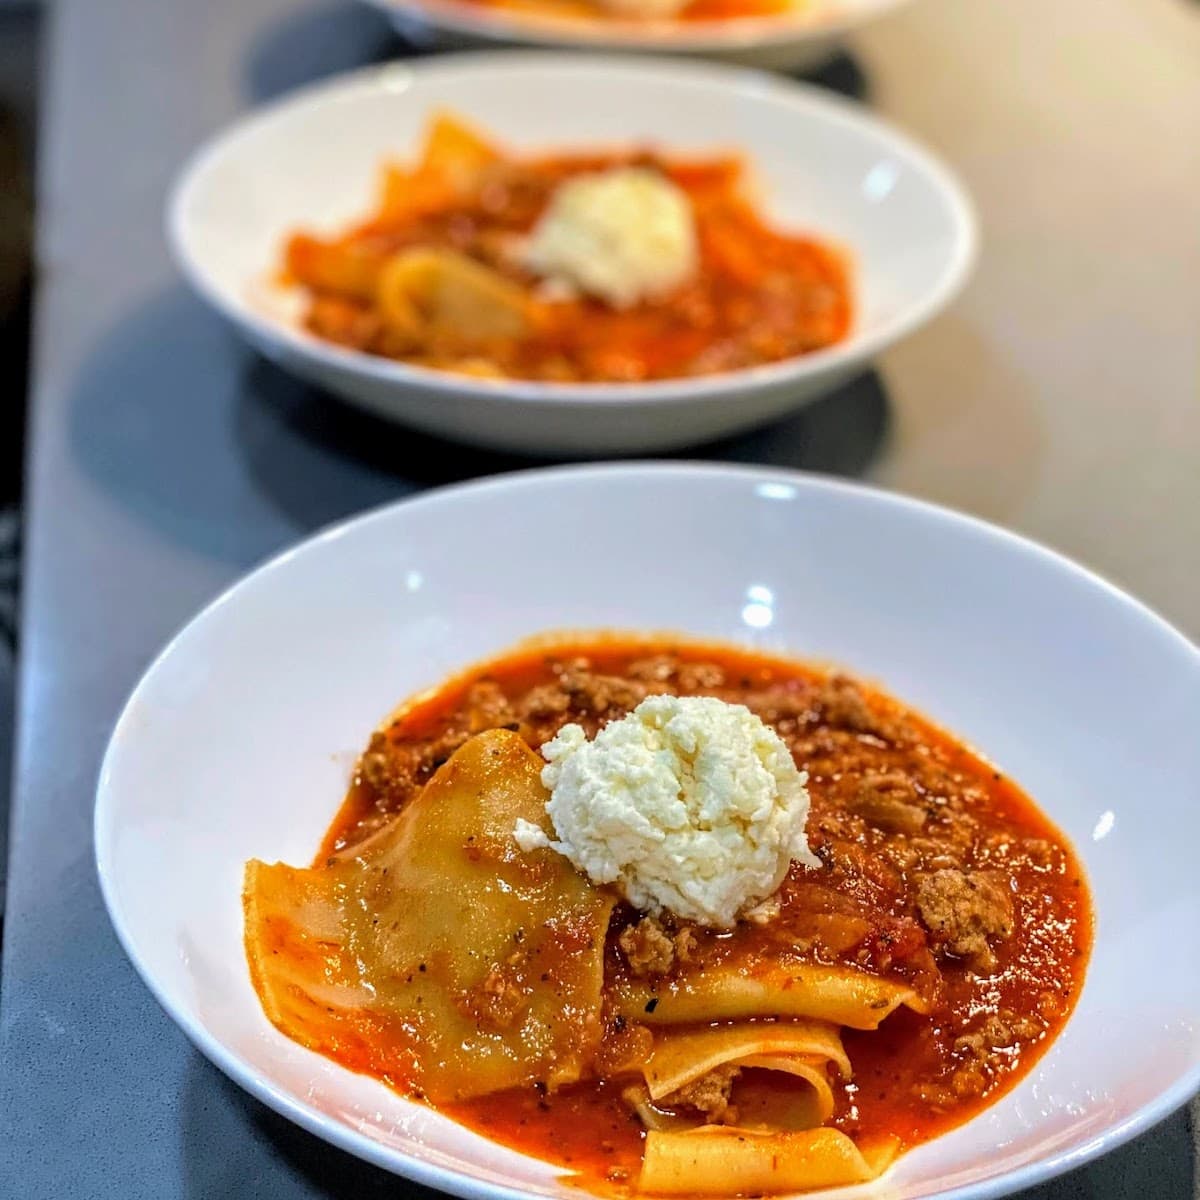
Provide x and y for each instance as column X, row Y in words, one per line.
column 239, row 741
column 802, row 37
column 311, row 160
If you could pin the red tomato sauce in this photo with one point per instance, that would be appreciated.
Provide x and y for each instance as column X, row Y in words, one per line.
column 939, row 808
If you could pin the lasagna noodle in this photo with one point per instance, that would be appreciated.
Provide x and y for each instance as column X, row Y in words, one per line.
column 761, row 1100
column 454, row 159
column 681, row 1057
column 437, row 955
column 352, row 265
column 719, row 1161
column 730, row 992
column 803, row 1051
column 426, row 293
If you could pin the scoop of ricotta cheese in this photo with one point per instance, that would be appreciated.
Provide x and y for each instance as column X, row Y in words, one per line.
column 622, row 235
column 688, row 805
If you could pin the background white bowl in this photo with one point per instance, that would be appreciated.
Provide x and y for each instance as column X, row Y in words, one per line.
column 312, row 161
column 800, row 38
column 240, row 740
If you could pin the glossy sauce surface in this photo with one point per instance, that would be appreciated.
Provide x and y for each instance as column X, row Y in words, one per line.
column 895, row 799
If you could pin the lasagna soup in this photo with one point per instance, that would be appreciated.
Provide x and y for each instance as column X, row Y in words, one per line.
column 585, row 267
column 682, row 919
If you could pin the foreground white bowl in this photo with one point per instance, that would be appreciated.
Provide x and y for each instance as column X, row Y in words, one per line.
column 802, row 37
column 312, row 161
column 240, row 740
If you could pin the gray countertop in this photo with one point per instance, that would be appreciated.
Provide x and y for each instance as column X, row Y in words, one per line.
column 1059, row 396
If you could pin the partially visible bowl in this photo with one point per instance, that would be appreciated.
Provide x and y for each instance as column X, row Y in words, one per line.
column 310, row 160
column 802, row 36
column 240, row 741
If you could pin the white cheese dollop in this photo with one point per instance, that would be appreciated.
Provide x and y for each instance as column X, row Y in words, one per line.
column 687, row 804
column 622, row 235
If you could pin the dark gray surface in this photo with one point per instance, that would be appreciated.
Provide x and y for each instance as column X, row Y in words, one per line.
column 166, row 461
column 18, row 59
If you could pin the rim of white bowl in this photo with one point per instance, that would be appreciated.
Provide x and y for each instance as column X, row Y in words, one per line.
column 827, row 22
column 445, row 1178
column 858, row 349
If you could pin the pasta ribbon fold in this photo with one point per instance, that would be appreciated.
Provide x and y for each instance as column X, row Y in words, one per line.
column 437, row 955
column 801, row 1051
column 720, row 1161
column 453, row 162
column 429, row 292
column 728, row 992
column 679, row 1058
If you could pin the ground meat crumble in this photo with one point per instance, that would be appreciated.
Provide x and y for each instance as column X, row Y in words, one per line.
column 650, row 948
column 709, row 1095
column 964, row 911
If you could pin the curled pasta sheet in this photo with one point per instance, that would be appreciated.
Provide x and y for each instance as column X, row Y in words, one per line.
column 812, row 991
column 437, row 955
column 432, row 292
column 720, row 1161
column 760, row 1102
column 680, row 1057
column 452, row 163
column 458, row 151
column 803, row 1050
